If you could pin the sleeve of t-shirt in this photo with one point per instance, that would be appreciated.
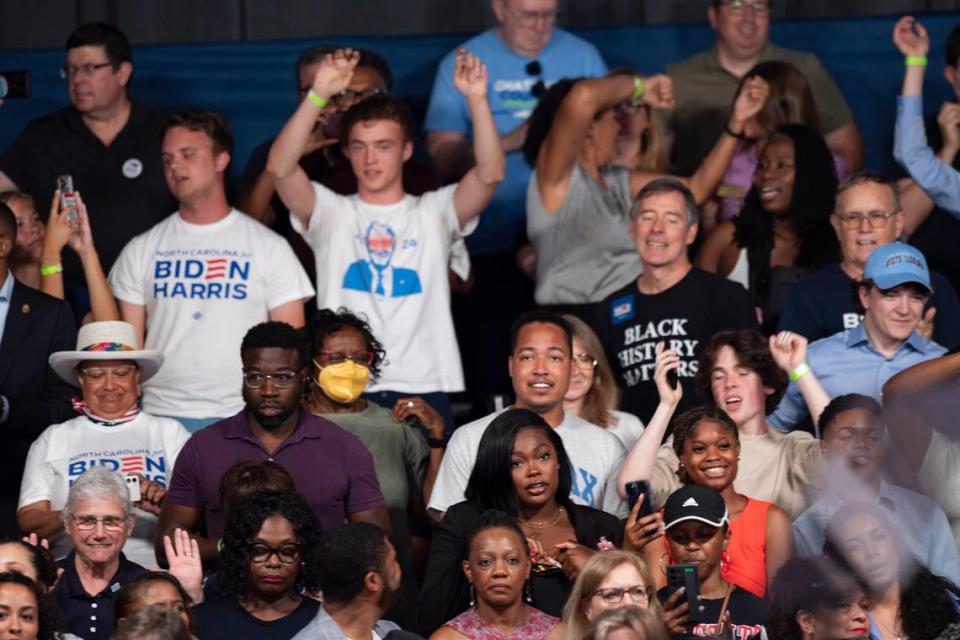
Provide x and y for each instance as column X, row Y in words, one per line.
column 832, row 108
column 38, row 478
column 364, row 491
column 453, row 474
column 416, row 453
column 440, row 203
column 805, row 460
column 285, row 280
column 946, row 324
column 611, row 501
column 797, row 314
column 326, row 206
column 128, row 275
column 447, row 110
column 184, row 487
column 663, row 479
column 175, row 439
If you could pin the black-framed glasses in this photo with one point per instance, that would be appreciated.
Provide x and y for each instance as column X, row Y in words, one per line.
column 878, row 219
column 110, row 523
column 347, row 98
column 363, row 358
column 287, row 553
column 281, row 379
column 535, row 69
column 88, row 70
column 639, row 594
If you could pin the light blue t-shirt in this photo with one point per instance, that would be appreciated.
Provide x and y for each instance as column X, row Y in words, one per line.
column 512, row 101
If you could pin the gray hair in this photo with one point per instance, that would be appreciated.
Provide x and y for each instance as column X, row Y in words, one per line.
column 98, row 483
column 668, row 185
column 643, row 622
column 153, row 622
column 868, row 177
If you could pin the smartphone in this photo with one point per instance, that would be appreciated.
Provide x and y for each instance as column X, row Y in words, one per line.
column 685, row 575
column 133, row 487
column 673, row 379
column 67, row 198
column 636, row 489
column 14, row 84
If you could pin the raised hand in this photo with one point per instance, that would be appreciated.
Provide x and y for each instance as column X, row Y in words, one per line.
column 949, row 121
column 789, row 350
column 658, row 92
column 470, row 75
column 751, row 99
column 910, row 37
column 572, row 556
column 59, row 229
column 81, row 240
column 183, row 557
column 667, row 360
column 676, row 613
column 151, row 495
column 335, row 72
column 639, row 532
column 419, row 409
column 925, row 326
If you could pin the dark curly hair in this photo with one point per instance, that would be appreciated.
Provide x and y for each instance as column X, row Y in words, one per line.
column 811, row 205
column 753, row 352
column 926, row 605
column 806, row 584
column 244, row 522
column 131, row 592
column 328, row 321
column 42, row 561
column 48, row 619
column 687, row 422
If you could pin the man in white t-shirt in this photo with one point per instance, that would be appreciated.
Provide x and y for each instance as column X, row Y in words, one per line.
column 381, row 252
column 540, row 365
column 196, row 282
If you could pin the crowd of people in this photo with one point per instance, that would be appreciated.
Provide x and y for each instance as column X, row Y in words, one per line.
column 731, row 372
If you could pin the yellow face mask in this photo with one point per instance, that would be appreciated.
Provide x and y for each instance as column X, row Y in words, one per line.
column 343, row 382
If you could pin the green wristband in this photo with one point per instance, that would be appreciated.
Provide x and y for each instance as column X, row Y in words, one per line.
column 916, row 61
column 637, row 87
column 51, row 269
column 315, row 99
column 799, row 372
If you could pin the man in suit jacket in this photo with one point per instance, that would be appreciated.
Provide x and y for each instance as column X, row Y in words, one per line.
column 32, row 397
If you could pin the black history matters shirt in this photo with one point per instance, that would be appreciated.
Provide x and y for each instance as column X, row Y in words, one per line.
column 685, row 316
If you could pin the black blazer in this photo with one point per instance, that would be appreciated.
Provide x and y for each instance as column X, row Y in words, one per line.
column 446, row 593
column 36, row 326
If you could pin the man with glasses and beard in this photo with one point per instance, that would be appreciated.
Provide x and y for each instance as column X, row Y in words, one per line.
column 330, row 467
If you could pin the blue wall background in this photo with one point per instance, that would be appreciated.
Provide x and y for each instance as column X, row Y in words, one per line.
column 253, row 84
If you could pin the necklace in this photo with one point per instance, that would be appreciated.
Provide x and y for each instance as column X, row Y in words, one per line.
column 542, row 524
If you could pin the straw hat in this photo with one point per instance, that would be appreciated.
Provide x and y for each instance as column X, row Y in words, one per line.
column 108, row 340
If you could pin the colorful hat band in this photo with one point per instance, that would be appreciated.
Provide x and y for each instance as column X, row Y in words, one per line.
column 108, row 346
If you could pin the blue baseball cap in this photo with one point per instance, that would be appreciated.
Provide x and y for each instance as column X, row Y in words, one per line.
column 891, row 265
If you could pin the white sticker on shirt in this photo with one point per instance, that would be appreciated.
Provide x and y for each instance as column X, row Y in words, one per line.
column 132, row 168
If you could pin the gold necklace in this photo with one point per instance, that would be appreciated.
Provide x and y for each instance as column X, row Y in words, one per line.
column 542, row 524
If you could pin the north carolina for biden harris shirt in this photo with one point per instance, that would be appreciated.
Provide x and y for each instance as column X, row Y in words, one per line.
column 685, row 316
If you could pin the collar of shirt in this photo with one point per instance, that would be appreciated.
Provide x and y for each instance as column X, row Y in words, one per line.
column 711, row 61
column 6, row 290
column 308, row 426
column 324, row 626
column 74, row 586
column 858, row 336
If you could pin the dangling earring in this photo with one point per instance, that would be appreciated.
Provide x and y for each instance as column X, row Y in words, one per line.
column 665, row 554
column 724, row 562
column 473, row 596
column 527, row 593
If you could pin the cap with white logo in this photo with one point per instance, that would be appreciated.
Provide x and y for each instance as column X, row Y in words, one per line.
column 694, row 502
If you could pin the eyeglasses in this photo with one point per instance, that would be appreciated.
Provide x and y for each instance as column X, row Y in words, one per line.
column 110, row 523
column 282, row 379
column 759, row 7
column 585, row 361
column 97, row 374
column 534, row 68
column 87, row 70
column 878, row 219
column 287, row 553
column 530, row 18
column 639, row 594
column 363, row 358
column 347, row 98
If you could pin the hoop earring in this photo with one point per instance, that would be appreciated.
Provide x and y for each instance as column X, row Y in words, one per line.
column 473, row 596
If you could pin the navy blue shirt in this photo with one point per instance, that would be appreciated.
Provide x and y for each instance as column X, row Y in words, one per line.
column 821, row 305
column 225, row 619
column 90, row 616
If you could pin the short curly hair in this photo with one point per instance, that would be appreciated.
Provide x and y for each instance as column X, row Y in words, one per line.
column 328, row 321
column 686, row 423
column 753, row 352
column 243, row 523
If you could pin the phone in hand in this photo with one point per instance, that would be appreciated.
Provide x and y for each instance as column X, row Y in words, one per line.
column 133, row 487
column 14, row 84
column 68, row 198
column 685, row 575
column 636, row 489
column 673, row 379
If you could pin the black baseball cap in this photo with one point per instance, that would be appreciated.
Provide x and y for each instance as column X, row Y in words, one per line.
column 694, row 502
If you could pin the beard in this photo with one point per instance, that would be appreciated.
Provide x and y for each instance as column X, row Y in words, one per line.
column 271, row 422
column 389, row 599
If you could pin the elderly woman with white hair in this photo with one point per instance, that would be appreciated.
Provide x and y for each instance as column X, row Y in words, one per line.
column 111, row 432
column 98, row 518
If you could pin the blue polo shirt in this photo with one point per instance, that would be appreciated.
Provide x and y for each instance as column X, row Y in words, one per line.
column 90, row 616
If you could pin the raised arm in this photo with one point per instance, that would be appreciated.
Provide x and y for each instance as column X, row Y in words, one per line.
column 559, row 152
column 102, row 304
column 189, row 519
column 789, row 351
column 708, row 175
column 642, row 457
column 283, row 164
column 475, row 189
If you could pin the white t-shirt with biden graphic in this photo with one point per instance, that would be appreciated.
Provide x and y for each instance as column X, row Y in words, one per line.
column 204, row 286
column 389, row 263
column 147, row 445
column 595, row 454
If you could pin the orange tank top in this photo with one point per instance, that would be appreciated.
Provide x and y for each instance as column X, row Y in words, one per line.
column 747, row 548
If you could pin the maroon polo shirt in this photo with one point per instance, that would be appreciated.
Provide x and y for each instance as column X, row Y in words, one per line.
column 330, row 467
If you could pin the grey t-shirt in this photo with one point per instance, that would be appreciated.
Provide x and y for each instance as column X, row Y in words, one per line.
column 584, row 250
